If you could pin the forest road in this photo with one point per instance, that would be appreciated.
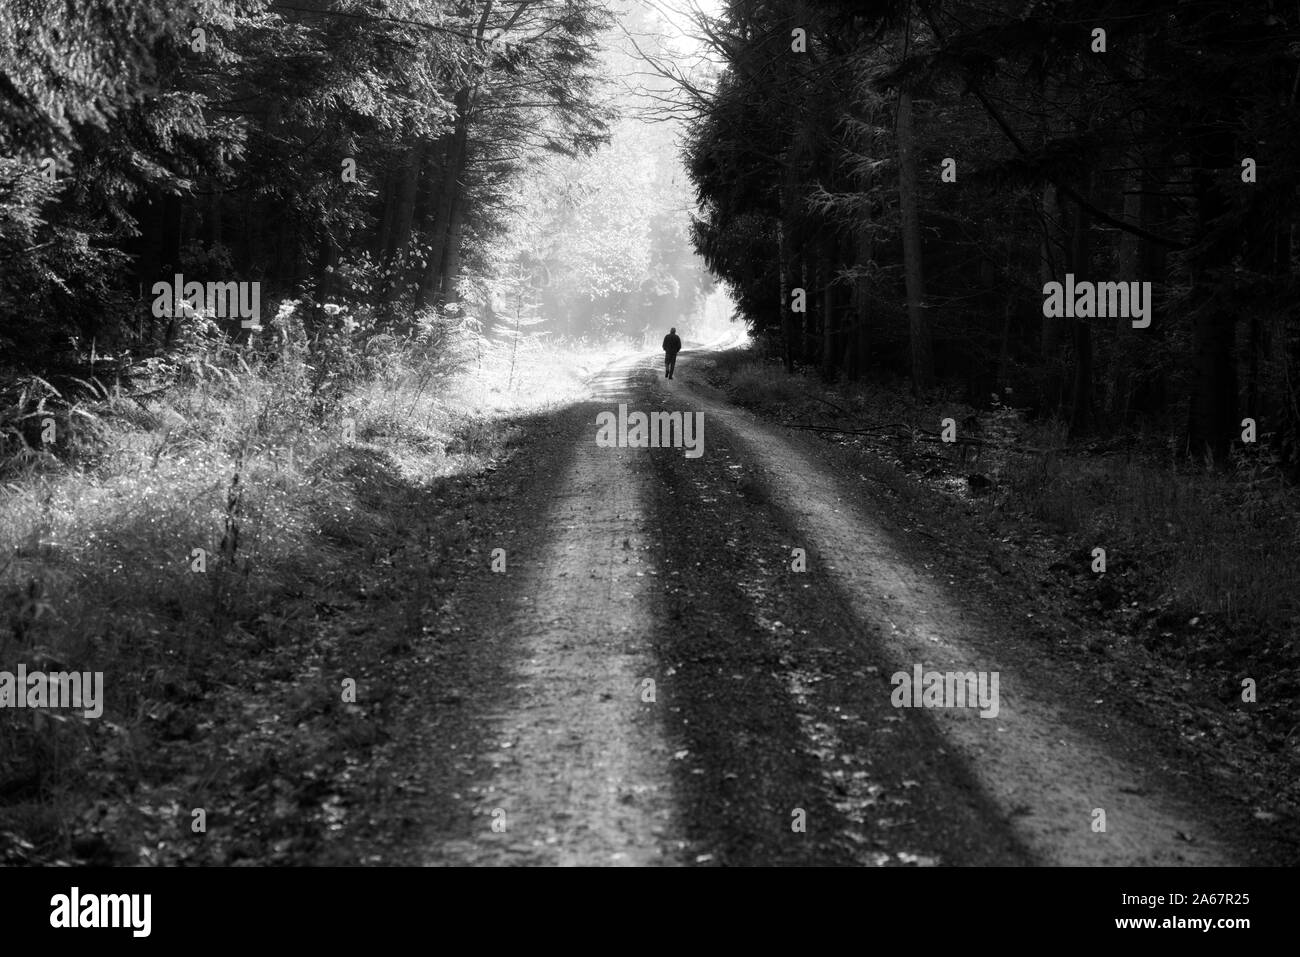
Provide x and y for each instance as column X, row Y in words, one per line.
column 696, row 659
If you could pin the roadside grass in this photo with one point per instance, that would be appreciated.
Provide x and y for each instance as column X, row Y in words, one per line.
column 764, row 385
column 170, row 533
column 1200, row 542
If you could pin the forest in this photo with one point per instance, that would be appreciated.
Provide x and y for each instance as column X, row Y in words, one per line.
column 890, row 187
column 383, row 158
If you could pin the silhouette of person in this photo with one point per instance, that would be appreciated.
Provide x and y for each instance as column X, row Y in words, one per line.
column 672, row 346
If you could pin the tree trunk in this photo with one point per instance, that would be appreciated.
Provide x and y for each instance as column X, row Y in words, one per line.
column 809, row 299
column 858, row 341
column 404, row 217
column 215, row 225
column 1129, row 263
column 918, row 324
column 451, row 261
column 1129, row 257
column 1212, row 411
column 1081, row 418
column 1003, row 376
column 783, row 264
column 383, row 239
column 1053, row 261
column 834, row 252
column 449, row 194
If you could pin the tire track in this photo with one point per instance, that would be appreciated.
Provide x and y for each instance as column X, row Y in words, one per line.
column 579, row 775
column 1045, row 773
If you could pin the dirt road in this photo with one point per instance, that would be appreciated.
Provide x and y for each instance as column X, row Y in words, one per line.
column 653, row 678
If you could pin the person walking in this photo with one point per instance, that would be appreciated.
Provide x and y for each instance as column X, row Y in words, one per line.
column 672, row 346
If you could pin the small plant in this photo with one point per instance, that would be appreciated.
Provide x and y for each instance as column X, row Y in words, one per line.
column 764, row 384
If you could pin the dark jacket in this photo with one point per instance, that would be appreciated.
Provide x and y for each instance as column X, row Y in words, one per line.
column 672, row 343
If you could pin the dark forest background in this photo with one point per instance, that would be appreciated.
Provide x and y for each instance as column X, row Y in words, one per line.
column 1118, row 160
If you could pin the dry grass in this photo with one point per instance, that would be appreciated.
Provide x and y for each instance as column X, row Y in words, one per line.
column 163, row 534
column 1212, row 542
column 765, row 385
